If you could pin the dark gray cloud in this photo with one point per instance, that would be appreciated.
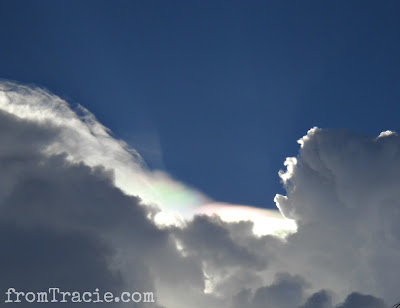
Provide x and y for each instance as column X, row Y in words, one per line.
column 323, row 299
column 38, row 258
column 208, row 239
column 320, row 299
column 286, row 291
column 356, row 300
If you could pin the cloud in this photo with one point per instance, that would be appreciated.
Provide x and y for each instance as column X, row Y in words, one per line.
column 59, row 221
column 82, row 138
column 343, row 193
column 356, row 300
column 285, row 291
column 78, row 209
column 323, row 299
column 320, row 299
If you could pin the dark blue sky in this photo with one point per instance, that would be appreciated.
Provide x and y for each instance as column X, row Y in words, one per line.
column 222, row 88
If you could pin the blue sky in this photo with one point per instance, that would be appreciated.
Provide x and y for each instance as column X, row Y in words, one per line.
column 214, row 92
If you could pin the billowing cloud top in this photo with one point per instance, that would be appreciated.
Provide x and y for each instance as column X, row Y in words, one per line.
column 78, row 210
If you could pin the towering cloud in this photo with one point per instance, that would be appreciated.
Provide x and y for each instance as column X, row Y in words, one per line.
column 343, row 193
column 78, row 210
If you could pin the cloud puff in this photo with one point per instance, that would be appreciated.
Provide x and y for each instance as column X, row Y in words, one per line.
column 320, row 299
column 76, row 215
column 356, row 300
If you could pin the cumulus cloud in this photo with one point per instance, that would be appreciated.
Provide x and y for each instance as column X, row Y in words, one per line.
column 343, row 193
column 78, row 208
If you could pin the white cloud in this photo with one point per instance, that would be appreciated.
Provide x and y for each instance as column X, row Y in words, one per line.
column 343, row 194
